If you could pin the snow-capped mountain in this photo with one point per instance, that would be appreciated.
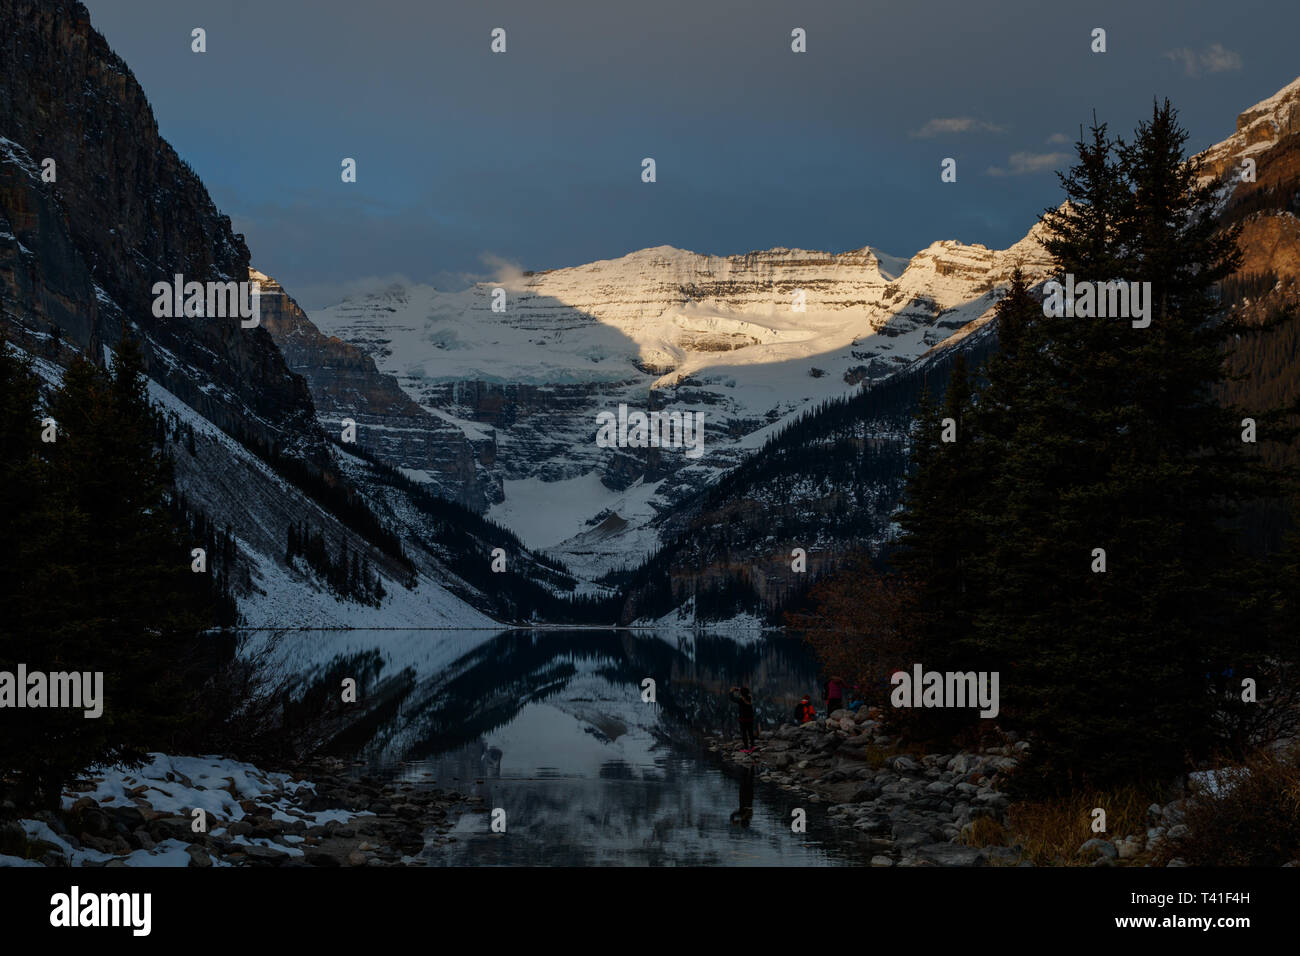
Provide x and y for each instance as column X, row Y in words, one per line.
column 523, row 365
column 491, row 397
column 750, row 341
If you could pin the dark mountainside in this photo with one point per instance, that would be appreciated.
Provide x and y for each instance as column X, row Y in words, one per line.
column 78, row 260
column 828, row 483
column 1267, row 287
column 124, row 213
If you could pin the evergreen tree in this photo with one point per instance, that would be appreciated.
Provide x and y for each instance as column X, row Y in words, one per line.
column 105, row 585
column 1115, row 442
column 20, row 476
column 940, row 534
column 1088, row 433
column 23, row 532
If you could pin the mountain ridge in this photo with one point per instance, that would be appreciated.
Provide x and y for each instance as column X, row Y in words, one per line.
column 656, row 328
column 495, row 411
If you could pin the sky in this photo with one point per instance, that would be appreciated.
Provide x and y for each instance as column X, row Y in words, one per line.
column 471, row 162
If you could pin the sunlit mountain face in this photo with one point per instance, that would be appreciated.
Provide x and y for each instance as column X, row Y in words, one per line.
column 750, row 342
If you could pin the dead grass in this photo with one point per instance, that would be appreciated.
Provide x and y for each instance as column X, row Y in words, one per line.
column 985, row 831
column 1051, row 831
column 875, row 755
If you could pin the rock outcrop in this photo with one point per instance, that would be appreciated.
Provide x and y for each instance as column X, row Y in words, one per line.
column 345, row 384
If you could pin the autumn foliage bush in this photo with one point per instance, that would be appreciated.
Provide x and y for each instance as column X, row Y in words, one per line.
column 857, row 622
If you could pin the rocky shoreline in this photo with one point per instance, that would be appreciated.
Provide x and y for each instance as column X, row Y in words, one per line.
column 917, row 809
column 318, row 814
column 922, row 808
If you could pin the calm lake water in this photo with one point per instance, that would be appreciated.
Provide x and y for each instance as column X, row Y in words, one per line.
column 550, row 726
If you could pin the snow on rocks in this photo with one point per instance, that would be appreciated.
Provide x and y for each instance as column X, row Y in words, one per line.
column 145, row 817
column 180, row 784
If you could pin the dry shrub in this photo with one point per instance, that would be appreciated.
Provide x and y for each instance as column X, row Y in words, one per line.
column 1252, row 820
column 985, row 831
column 875, row 755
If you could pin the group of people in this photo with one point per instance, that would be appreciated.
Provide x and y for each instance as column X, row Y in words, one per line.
column 832, row 693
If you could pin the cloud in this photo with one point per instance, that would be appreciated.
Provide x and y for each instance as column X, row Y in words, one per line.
column 1213, row 59
column 1058, row 138
column 312, row 296
column 319, row 295
column 954, row 124
column 505, row 272
column 1024, row 164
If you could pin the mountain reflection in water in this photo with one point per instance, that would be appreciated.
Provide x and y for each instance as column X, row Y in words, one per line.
column 550, row 727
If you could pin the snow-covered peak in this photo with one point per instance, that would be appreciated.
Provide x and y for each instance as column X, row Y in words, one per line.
column 523, row 364
column 662, row 310
column 1277, row 108
column 1258, row 129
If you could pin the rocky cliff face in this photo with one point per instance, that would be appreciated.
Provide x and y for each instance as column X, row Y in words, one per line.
column 44, row 282
column 1267, row 206
column 82, row 253
column 1259, row 129
column 346, row 385
column 83, row 240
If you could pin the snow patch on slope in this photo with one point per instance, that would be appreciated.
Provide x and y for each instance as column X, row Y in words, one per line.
column 234, row 482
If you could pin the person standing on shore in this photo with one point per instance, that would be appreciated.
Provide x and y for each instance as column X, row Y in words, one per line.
column 834, row 695
column 744, row 702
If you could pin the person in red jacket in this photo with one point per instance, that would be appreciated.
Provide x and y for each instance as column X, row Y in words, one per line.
column 804, row 711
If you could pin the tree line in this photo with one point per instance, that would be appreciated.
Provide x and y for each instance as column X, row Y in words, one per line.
column 349, row 575
column 95, row 573
column 1072, row 517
